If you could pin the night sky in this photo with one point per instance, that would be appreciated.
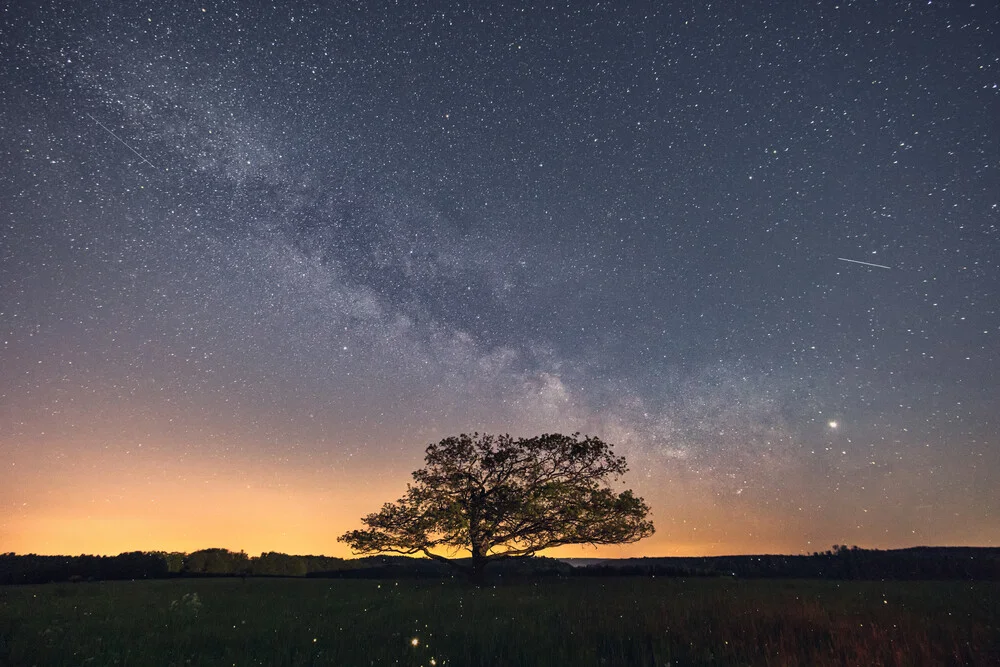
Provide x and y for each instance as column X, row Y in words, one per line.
column 254, row 258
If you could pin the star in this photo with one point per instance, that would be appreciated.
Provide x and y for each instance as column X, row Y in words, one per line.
column 269, row 261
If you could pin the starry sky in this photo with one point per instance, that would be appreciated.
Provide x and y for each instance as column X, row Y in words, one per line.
column 254, row 257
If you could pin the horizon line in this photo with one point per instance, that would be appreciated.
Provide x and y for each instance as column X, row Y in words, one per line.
column 542, row 555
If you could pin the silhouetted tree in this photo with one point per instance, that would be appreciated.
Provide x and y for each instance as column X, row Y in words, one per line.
column 279, row 565
column 216, row 561
column 495, row 497
column 175, row 561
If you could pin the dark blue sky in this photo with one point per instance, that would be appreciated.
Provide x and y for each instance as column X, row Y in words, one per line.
column 274, row 239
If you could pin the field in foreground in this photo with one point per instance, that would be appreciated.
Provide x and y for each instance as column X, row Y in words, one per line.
column 615, row 621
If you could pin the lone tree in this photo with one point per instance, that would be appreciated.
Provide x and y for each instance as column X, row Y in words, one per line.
column 496, row 498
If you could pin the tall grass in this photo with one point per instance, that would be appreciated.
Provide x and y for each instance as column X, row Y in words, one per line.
column 621, row 621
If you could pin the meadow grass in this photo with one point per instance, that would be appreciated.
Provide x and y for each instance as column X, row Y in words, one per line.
column 577, row 621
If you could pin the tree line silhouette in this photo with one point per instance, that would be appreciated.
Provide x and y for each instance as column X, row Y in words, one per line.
column 841, row 562
column 31, row 568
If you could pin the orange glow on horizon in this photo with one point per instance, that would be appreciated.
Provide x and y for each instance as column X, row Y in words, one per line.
column 112, row 503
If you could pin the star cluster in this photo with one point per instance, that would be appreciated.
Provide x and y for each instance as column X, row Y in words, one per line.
column 254, row 257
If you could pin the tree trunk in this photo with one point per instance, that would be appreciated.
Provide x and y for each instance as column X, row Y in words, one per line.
column 478, row 574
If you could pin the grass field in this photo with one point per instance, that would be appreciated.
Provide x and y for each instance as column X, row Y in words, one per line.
column 617, row 621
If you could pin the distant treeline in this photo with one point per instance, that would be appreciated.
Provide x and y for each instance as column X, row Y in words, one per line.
column 841, row 562
column 34, row 569
column 970, row 563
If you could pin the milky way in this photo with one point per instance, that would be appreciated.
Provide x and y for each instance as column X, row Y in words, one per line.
column 254, row 258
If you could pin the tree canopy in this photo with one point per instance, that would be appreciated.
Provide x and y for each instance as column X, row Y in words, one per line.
column 494, row 497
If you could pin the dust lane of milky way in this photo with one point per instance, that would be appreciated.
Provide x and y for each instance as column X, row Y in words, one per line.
column 255, row 257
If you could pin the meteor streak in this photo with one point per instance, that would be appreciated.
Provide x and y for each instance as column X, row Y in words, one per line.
column 105, row 128
column 857, row 261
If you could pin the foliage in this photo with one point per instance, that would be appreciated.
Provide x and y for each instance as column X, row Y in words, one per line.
column 497, row 497
column 32, row 568
column 217, row 561
column 174, row 561
column 278, row 564
column 614, row 621
column 968, row 563
column 189, row 604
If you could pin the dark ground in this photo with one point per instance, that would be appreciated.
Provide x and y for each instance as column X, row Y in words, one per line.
column 550, row 621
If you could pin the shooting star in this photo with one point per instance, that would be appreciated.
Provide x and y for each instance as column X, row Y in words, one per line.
column 857, row 261
column 105, row 128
